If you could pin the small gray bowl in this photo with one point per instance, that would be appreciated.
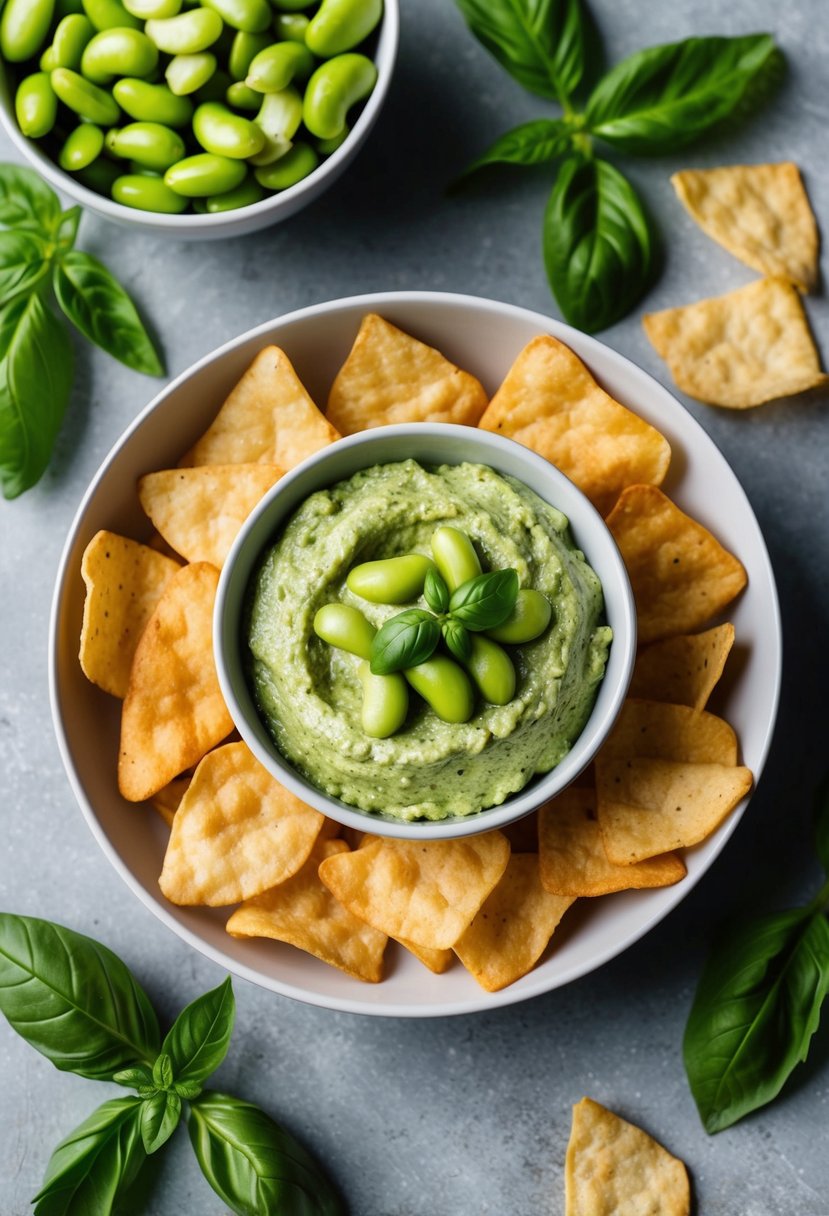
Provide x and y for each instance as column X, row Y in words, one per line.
column 429, row 443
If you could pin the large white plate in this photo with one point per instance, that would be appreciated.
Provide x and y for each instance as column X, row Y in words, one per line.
column 483, row 336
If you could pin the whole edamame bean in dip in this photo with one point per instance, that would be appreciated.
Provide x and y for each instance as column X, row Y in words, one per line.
column 147, row 194
column 339, row 25
column 445, row 686
column 24, row 27
column 221, row 131
column 85, row 98
column 527, row 621
column 334, row 88
column 345, row 627
column 492, row 670
column 392, row 580
column 149, row 144
column 81, row 147
column 385, row 702
column 36, row 105
column 147, row 102
column 118, row 52
column 205, row 174
column 455, row 556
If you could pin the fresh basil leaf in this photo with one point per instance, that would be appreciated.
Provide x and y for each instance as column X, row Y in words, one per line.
column 665, row 96
column 138, row 1077
column 98, row 306
column 533, row 143
column 68, row 229
column 486, row 600
column 24, row 260
column 187, row 1089
column 163, row 1071
column 73, row 1000
column 253, row 1164
column 821, row 819
column 200, row 1035
column 26, row 201
column 404, row 641
column 457, row 639
column 754, row 1013
column 598, row 249
column 160, row 1117
column 435, row 590
column 548, row 46
column 95, row 1164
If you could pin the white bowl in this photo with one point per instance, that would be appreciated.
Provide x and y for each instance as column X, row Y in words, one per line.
column 270, row 210
column 485, row 337
column 429, row 443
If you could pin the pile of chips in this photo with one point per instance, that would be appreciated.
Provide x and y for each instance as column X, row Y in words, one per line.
column 665, row 779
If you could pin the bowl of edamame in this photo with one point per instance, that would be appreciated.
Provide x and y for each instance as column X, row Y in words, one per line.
column 194, row 118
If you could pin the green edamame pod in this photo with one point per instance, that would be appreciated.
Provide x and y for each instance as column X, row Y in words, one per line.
column 345, row 627
column 455, row 556
column 444, row 686
column 81, row 147
column 243, row 49
column 224, row 133
column 492, row 670
column 186, row 34
column 326, row 146
column 339, row 25
column 291, row 27
column 273, row 69
column 297, row 163
column 279, row 117
column 148, row 144
column 385, row 702
column 24, row 27
column 249, row 192
column 149, row 10
column 187, row 73
column 293, row 6
column 100, row 175
column 205, row 174
column 68, row 43
column 85, row 98
column 393, row 580
column 109, row 14
column 239, row 95
column 117, row 52
column 528, row 619
column 147, row 194
column 147, row 102
column 252, row 16
column 35, row 105
column 334, row 88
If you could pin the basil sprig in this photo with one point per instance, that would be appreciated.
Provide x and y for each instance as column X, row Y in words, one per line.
column 79, row 1005
column 758, row 1003
column 598, row 239
column 36, row 363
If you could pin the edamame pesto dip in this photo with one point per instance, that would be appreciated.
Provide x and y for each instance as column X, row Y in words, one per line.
column 309, row 693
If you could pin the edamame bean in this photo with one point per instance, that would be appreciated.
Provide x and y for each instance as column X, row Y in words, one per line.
column 81, row 147
column 455, row 556
column 239, row 95
column 149, row 10
column 326, row 146
column 109, row 14
column 243, row 49
column 204, row 174
column 492, row 670
column 248, row 15
column 297, row 163
column 249, row 192
column 48, row 60
column 339, row 25
column 147, row 194
column 148, row 144
column 385, row 702
column 85, row 98
column 36, row 105
column 345, row 627
column 24, row 27
column 279, row 117
column 393, row 580
column 224, row 133
column 187, row 73
column 444, row 686
column 147, row 102
column 334, row 88
column 68, row 43
column 273, row 69
column 118, row 52
column 528, row 619
column 291, row 27
column 186, row 34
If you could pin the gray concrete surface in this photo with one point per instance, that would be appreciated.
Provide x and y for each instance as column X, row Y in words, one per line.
column 466, row 1116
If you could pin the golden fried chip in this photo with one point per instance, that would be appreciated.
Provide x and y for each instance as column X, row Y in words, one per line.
column 437, row 961
column 168, row 799
column 200, row 510
column 647, row 807
column 613, row 1168
column 237, row 832
column 124, row 581
column 670, row 732
column 389, row 376
column 173, row 712
column 572, row 859
column 304, row 913
column 741, row 349
column 683, row 670
column 681, row 575
column 267, row 419
column 550, row 402
column 511, row 931
column 760, row 213
column 425, row 891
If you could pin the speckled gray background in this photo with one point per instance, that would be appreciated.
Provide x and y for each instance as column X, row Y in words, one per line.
column 465, row 1116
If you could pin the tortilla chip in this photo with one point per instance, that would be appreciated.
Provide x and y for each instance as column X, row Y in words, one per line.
column 437, row 961
column 267, row 419
column 680, row 574
column 511, row 931
column 200, row 510
column 168, row 799
column 389, row 377
column 124, row 581
column 550, row 402
column 683, row 670
column 647, row 807
column 237, row 832
column 760, row 213
column 303, row 913
column 173, row 713
column 613, row 1168
column 426, row 892
column 572, row 859
column 741, row 349
column 670, row 732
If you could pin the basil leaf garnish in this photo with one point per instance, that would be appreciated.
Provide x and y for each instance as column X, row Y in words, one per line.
column 160, row 1115
column 200, row 1036
column 92, row 1168
column 97, row 305
column 26, row 201
column 486, row 600
column 598, row 248
column 754, row 1013
column 253, row 1164
column 665, row 96
column 404, row 641
column 533, row 143
column 24, row 260
column 435, row 590
column 457, row 639
column 138, row 1077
